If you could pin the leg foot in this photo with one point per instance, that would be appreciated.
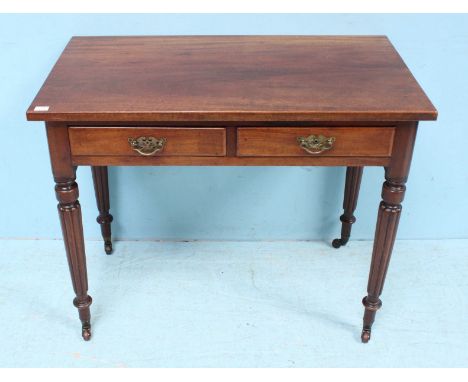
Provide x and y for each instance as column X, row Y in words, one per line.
column 337, row 243
column 365, row 335
column 86, row 331
column 371, row 305
column 108, row 247
column 83, row 304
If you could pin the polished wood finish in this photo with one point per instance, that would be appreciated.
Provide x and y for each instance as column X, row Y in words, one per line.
column 180, row 141
column 282, row 141
column 231, row 78
column 101, row 189
column 231, row 101
column 351, row 194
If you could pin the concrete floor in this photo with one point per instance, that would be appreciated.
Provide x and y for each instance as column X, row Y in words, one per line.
column 234, row 304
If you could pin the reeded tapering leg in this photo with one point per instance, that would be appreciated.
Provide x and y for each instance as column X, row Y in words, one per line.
column 393, row 192
column 69, row 211
column 70, row 218
column 101, row 188
column 352, row 185
column 387, row 224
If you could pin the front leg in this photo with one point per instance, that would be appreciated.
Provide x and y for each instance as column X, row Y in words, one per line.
column 69, row 210
column 70, row 219
column 387, row 224
column 393, row 192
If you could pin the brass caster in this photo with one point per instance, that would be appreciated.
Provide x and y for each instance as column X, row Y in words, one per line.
column 108, row 247
column 86, row 331
column 336, row 243
column 365, row 335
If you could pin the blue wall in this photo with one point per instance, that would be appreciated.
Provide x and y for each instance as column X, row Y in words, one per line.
column 237, row 203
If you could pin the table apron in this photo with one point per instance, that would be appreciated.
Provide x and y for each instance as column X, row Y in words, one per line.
column 81, row 160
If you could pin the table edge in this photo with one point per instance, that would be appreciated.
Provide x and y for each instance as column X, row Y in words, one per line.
column 345, row 116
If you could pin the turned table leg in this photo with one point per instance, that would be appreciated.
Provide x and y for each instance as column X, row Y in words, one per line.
column 69, row 210
column 387, row 224
column 393, row 191
column 101, row 189
column 70, row 218
column 352, row 185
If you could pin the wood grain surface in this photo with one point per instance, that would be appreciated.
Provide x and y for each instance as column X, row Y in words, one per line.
column 231, row 78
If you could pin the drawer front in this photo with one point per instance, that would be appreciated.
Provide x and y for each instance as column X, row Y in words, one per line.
column 315, row 141
column 157, row 141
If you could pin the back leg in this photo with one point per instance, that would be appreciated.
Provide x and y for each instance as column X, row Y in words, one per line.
column 101, row 189
column 353, row 183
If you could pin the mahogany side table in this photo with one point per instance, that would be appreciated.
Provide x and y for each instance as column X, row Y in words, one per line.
column 231, row 101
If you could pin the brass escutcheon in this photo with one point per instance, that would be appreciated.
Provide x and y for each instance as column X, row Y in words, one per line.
column 316, row 144
column 147, row 145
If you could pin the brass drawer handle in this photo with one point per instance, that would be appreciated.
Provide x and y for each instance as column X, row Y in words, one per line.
column 316, row 144
column 147, row 145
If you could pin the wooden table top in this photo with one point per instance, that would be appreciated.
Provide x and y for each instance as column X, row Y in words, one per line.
column 231, row 78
